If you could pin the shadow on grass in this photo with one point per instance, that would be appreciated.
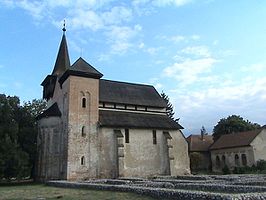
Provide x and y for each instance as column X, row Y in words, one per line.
column 18, row 182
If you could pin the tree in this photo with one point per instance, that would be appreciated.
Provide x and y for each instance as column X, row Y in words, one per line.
column 18, row 134
column 203, row 131
column 35, row 107
column 195, row 161
column 232, row 124
column 27, row 134
column 13, row 161
column 169, row 107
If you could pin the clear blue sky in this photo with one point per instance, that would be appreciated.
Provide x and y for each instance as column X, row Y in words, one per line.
column 208, row 56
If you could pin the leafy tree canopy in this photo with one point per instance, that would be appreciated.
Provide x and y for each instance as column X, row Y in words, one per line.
column 18, row 132
column 27, row 136
column 233, row 124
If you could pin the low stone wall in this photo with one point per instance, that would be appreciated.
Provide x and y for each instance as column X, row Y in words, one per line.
column 221, row 188
column 153, row 192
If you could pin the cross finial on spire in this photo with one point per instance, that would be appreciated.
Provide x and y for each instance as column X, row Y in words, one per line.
column 64, row 26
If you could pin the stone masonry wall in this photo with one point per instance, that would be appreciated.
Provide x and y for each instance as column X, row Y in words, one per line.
column 83, row 147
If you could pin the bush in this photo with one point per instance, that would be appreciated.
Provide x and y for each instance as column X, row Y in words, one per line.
column 261, row 165
column 226, row 170
column 238, row 170
column 260, row 168
column 244, row 170
column 195, row 161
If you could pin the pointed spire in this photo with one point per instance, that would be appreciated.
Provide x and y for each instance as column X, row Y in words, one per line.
column 62, row 61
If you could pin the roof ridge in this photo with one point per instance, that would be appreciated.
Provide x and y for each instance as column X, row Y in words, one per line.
column 129, row 83
column 241, row 132
column 82, row 59
column 247, row 138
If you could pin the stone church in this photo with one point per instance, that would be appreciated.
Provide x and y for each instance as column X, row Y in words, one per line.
column 97, row 128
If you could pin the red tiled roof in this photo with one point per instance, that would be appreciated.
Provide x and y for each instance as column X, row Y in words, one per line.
column 235, row 139
column 197, row 143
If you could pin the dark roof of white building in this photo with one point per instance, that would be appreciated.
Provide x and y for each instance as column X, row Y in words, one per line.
column 52, row 111
column 130, row 93
column 121, row 119
column 235, row 140
column 81, row 68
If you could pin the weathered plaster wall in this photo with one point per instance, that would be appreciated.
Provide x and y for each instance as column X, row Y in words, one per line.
column 230, row 154
column 83, row 145
column 51, row 149
column 180, row 164
column 259, row 146
column 108, row 159
column 52, row 138
column 140, row 157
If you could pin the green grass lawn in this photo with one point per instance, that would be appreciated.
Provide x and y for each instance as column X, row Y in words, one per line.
column 42, row 192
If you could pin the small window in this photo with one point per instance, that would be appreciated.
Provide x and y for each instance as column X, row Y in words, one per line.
column 154, row 138
column 83, row 102
column 218, row 162
column 126, row 135
column 244, row 159
column 83, row 131
column 82, row 160
column 223, row 159
column 236, row 160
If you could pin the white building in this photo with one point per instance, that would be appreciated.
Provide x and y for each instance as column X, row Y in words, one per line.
column 239, row 149
column 96, row 128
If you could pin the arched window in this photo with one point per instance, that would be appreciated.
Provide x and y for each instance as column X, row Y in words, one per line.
column 237, row 160
column 82, row 160
column 83, row 102
column 83, row 131
column 218, row 162
column 244, row 159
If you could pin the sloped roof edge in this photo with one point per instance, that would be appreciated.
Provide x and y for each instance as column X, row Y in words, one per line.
column 119, row 119
column 52, row 111
column 82, row 69
column 235, row 139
